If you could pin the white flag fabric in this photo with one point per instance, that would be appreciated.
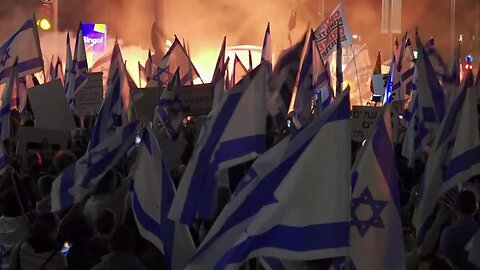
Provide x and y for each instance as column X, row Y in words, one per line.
column 293, row 203
column 111, row 115
column 77, row 73
column 302, row 104
column 407, row 67
column 5, row 107
column 23, row 45
column 218, row 78
column 376, row 235
column 267, row 52
column 118, row 65
column 77, row 180
column 454, row 157
column 398, row 92
column 326, row 33
column 152, row 195
column 175, row 58
column 225, row 141
column 239, row 70
column 321, row 80
column 169, row 109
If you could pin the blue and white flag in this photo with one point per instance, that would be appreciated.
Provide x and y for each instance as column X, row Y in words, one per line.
column 77, row 180
column 302, row 104
column 77, row 76
column 283, row 82
column 270, row 263
column 267, row 52
column 111, row 115
column 225, row 141
column 429, row 106
column 152, row 195
column 321, row 80
column 407, row 67
column 169, row 109
column 3, row 159
column 23, row 45
column 218, row 78
column 117, row 65
column 293, row 203
column 376, row 235
column 5, row 107
column 454, row 157
column 175, row 58
column 239, row 70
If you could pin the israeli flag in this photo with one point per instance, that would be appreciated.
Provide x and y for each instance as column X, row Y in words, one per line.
column 407, row 67
column 376, row 235
column 239, row 70
column 293, row 203
column 321, row 80
column 5, row 107
column 270, row 263
column 152, row 196
column 282, row 83
column 77, row 76
column 454, row 157
column 234, row 133
column 77, row 180
column 117, row 65
column 398, row 92
column 430, row 106
column 111, row 115
column 302, row 104
column 267, row 52
column 218, row 78
column 169, row 109
column 23, row 45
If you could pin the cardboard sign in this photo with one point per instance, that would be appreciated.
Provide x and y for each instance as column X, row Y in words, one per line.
column 47, row 141
column 379, row 84
column 50, row 107
column 145, row 105
column 197, row 99
column 89, row 98
column 364, row 119
column 326, row 33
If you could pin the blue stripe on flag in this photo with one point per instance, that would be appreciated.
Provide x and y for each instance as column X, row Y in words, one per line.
column 274, row 263
column 462, row 162
column 197, row 183
column 383, row 149
column 313, row 237
column 22, row 67
column 3, row 161
column 67, row 181
column 407, row 74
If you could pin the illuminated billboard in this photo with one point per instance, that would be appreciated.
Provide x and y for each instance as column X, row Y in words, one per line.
column 95, row 37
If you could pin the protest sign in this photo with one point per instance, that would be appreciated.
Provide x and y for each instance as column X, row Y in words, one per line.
column 50, row 107
column 197, row 99
column 364, row 119
column 89, row 98
column 326, row 33
column 145, row 105
column 45, row 141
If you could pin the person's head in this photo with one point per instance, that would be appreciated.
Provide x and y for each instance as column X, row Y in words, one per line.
column 44, row 185
column 62, row 160
column 122, row 239
column 465, row 204
column 45, row 226
column 105, row 222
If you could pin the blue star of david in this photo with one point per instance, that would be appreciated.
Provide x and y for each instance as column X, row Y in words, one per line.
column 165, row 70
column 94, row 156
column 377, row 207
column 117, row 122
column 5, row 57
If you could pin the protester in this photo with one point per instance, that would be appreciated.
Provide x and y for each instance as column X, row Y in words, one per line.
column 39, row 251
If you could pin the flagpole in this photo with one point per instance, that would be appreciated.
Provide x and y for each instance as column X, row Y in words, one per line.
column 356, row 73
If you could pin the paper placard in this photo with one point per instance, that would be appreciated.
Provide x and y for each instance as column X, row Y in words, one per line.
column 379, row 84
column 89, row 98
column 364, row 119
column 50, row 107
column 31, row 140
column 145, row 105
column 198, row 98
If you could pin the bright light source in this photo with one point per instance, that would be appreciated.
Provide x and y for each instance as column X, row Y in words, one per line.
column 469, row 58
column 354, row 36
column 44, row 24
